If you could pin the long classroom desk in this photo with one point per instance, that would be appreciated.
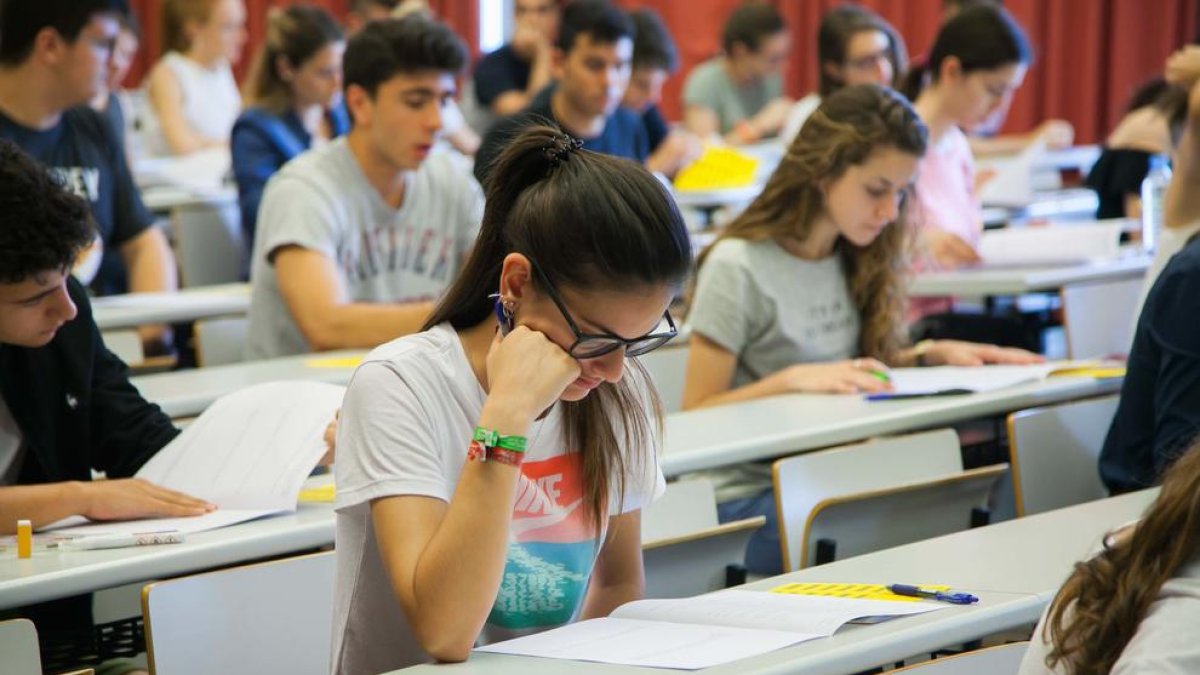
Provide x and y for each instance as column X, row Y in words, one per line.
column 982, row 281
column 51, row 574
column 131, row 310
column 784, row 425
column 186, row 393
column 1014, row 567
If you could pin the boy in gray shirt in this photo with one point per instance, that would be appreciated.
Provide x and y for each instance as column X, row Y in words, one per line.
column 739, row 96
column 358, row 238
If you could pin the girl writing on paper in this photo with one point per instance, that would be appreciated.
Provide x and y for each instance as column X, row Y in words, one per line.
column 1133, row 608
column 492, row 468
column 805, row 291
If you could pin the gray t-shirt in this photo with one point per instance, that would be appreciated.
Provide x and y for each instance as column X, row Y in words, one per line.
column 406, row 422
column 772, row 310
column 322, row 201
column 709, row 86
column 1165, row 641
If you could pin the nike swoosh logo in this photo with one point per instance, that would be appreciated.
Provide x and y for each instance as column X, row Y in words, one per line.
column 523, row 525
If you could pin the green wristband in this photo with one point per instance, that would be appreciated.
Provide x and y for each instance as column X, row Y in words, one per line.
column 492, row 439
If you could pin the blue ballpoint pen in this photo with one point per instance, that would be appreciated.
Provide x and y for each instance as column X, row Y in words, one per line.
column 918, row 592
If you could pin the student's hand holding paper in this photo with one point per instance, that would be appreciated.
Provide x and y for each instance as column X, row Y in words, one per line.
column 134, row 498
column 330, row 440
column 948, row 250
column 958, row 353
column 840, row 377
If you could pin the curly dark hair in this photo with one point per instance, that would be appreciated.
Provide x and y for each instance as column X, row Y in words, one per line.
column 44, row 226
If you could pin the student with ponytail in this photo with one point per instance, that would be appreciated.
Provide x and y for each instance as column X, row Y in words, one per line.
column 1135, row 606
column 492, row 468
column 805, row 290
column 978, row 60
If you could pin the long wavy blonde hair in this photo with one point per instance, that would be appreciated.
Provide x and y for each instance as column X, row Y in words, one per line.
column 851, row 124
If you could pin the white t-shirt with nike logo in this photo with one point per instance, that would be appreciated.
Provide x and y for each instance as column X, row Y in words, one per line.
column 406, row 422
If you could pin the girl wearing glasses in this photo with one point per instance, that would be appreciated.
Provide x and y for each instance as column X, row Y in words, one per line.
column 854, row 46
column 491, row 469
column 804, row 292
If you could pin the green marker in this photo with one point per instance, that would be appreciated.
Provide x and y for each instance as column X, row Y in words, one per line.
column 881, row 376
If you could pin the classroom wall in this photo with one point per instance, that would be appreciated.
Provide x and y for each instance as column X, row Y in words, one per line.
column 1088, row 51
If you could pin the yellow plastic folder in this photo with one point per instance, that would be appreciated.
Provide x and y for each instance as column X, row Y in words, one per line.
column 860, row 591
column 318, row 495
column 334, row 362
column 717, row 169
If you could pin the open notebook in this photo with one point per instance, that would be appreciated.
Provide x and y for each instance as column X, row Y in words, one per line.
column 949, row 380
column 1051, row 245
column 248, row 453
column 703, row 631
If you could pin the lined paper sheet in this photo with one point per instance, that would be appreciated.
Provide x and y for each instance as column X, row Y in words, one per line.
column 249, row 453
column 908, row 381
column 703, row 631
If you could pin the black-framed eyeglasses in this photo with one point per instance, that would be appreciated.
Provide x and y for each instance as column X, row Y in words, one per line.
column 591, row 345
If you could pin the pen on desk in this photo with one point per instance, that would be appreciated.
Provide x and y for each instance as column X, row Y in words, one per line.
column 911, row 591
column 103, row 541
column 889, row 396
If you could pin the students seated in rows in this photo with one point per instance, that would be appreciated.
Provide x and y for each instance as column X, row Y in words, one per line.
column 654, row 60
column 293, row 98
column 738, row 96
column 854, row 46
column 805, row 290
column 1159, row 412
column 357, row 238
column 536, row 522
column 508, row 80
column 1134, row 606
column 361, row 12
column 53, row 60
column 191, row 88
column 66, row 405
column 977, row 62
column 1150, row 126
column 592, row 64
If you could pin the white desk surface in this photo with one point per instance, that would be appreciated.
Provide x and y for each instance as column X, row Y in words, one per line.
column 190, row 304
column 51, row 574
column 164, row 198
column 1014, row 567
column 783, row 425
column 186, row 393
column 1017, row 280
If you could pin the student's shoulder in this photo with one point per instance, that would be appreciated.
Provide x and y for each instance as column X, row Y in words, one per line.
column 85, row 123
column 432, row 354
column 326, row 171
column 739, row 252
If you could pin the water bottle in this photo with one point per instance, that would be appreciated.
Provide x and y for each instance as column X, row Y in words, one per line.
column 1154, row 191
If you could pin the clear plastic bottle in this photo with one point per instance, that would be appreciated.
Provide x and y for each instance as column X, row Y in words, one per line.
column 1154, row 191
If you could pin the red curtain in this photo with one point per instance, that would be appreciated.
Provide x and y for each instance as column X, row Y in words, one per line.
column 461, row 15
column 1091, row 54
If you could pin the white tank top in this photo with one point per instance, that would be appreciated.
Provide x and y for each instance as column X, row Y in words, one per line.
column 211, row 100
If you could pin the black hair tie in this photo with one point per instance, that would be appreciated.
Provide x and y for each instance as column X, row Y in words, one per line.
column 559, row 148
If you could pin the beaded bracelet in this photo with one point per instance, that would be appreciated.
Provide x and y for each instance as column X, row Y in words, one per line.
column 478, row 452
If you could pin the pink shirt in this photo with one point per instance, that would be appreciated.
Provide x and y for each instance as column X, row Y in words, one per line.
column 946, row 200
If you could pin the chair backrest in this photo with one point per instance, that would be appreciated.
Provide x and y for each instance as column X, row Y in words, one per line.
column 1054, row 452
column 19, row 646
column 687, row 506
column 220, row 342
column 1096, row 317
column 893, row 516
column 272, row 617
column 668, row 370
column 998, row 660
column 803, row 481
column 209, row 243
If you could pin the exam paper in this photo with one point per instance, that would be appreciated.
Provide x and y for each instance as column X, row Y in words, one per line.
column 650, row 644
column 968, row 378
column 77, row 526
column 1013, row 183
column 703, row 631
column 251, row 449
column 1051, row 245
